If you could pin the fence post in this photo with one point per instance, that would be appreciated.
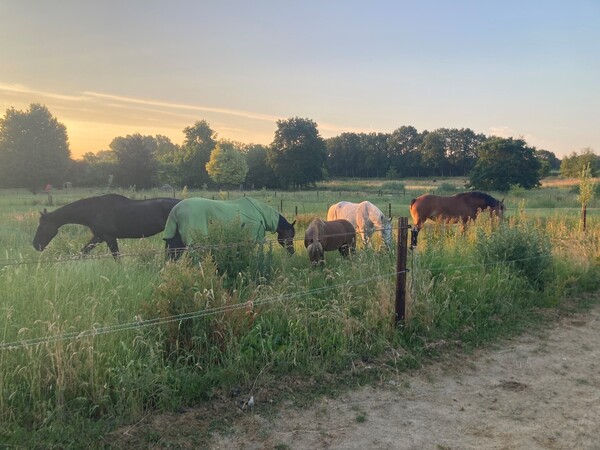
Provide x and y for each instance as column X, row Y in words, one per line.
column 390, row 210
column 296, row 214
column 401, row 259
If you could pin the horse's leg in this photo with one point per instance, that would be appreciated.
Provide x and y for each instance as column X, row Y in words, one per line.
column 174, row 247
column 95, row 240
column 344, row 250
column 414, row 234
column 113, row 246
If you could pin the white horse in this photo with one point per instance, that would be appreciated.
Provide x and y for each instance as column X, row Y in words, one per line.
column 366, row 219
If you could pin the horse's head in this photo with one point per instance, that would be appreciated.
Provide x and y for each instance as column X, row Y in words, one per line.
column 316, row 254
column 45, row 232
column 496, row 208
column 285, row 234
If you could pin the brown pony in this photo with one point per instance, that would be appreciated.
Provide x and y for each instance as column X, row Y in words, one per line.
column 324, row 236
column 456, row 208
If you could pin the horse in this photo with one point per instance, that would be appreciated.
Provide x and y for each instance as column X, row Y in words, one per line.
column 109, row 217
column 365, row 217
column 460, row 207
column 323, row 236
column 195, row 214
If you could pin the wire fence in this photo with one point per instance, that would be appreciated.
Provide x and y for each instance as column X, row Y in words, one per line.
column 142, row 323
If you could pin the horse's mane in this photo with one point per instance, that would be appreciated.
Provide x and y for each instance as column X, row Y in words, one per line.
column 488, row 199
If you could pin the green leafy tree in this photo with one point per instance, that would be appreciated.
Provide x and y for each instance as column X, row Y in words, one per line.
column 572, row 165
column 298, row 152
column 403, row 151
column 505, row 162
column 260, row 174
column 166, row 157
column 433, row 153
column 136, row 163
column 227, row 164
column 548, row 162
column 374, row 147
column 200, row 140
column 460, row 149
column 93, row 169
column 344, row 156
column 34, row 149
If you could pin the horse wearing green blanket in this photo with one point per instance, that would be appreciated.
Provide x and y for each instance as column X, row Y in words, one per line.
column 195, row 214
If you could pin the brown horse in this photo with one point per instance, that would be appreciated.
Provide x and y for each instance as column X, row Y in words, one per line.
column 324, row 236
column 456, row 208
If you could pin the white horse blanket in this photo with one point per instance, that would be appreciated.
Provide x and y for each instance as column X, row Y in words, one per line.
column 366, row 219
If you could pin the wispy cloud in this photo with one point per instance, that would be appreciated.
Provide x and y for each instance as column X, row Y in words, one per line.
column 20, row 89
column 183, row 106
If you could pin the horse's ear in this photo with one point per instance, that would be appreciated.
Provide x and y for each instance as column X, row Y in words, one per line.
column 44, row 212
column 293, row 223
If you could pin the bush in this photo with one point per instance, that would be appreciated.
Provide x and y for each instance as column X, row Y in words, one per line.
column 524, row 249
column 236, row 254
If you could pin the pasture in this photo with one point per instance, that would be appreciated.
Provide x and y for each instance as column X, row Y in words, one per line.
column 91, row 343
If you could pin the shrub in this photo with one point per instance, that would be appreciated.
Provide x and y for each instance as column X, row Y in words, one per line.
column 524, row 249
column 236, row 254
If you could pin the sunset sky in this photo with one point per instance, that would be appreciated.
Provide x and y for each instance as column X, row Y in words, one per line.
column 527, row 69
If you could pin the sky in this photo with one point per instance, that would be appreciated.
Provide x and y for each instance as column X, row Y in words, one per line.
column 528, row 69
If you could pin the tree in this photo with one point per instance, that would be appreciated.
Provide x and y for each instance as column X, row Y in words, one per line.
column 166, row 157
column 460, row 149
column 93, row 169
column 572, row 165
column 227, row 164
column 374, row 147
column 200, row 140
column 136, row 163
column 403, row 151
column 260, row 174
column 298, row 152
column 548, row 162
column 433, row 153
column 34, row 149
column 505, row 162
column 344, row 155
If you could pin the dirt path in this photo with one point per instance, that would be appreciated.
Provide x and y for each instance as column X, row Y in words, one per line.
column 537, row 391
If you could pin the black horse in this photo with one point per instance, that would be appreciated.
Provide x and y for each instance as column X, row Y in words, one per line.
column 110, row 217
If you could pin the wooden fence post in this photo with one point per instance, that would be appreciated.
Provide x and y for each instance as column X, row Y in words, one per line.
column 401, row 259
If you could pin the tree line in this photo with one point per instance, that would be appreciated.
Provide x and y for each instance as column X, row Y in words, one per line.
column 34, row 152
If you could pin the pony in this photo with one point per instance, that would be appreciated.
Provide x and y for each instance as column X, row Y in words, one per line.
column 460, row 207
column 323, row 236
column 195, row 214
column 365, row 217
column 109, row 217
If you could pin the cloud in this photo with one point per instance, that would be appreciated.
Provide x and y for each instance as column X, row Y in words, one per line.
column 20, row 89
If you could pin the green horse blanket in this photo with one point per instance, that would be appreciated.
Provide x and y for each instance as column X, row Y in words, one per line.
column 195, row 214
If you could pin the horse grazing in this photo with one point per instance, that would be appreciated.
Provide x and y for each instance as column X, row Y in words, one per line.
column 110, row 217
column 321, row 237
column 365, row 217
column 460, row 207
column 195, row 214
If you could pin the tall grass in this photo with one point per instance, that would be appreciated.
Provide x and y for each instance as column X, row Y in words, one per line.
column 215, row 320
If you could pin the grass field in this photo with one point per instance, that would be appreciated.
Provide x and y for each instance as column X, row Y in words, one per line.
column 92, row 343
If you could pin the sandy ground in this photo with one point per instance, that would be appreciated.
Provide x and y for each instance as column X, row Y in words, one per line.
column 538, row 391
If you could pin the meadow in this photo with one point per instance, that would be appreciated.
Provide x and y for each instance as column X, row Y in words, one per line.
column 89, row 344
